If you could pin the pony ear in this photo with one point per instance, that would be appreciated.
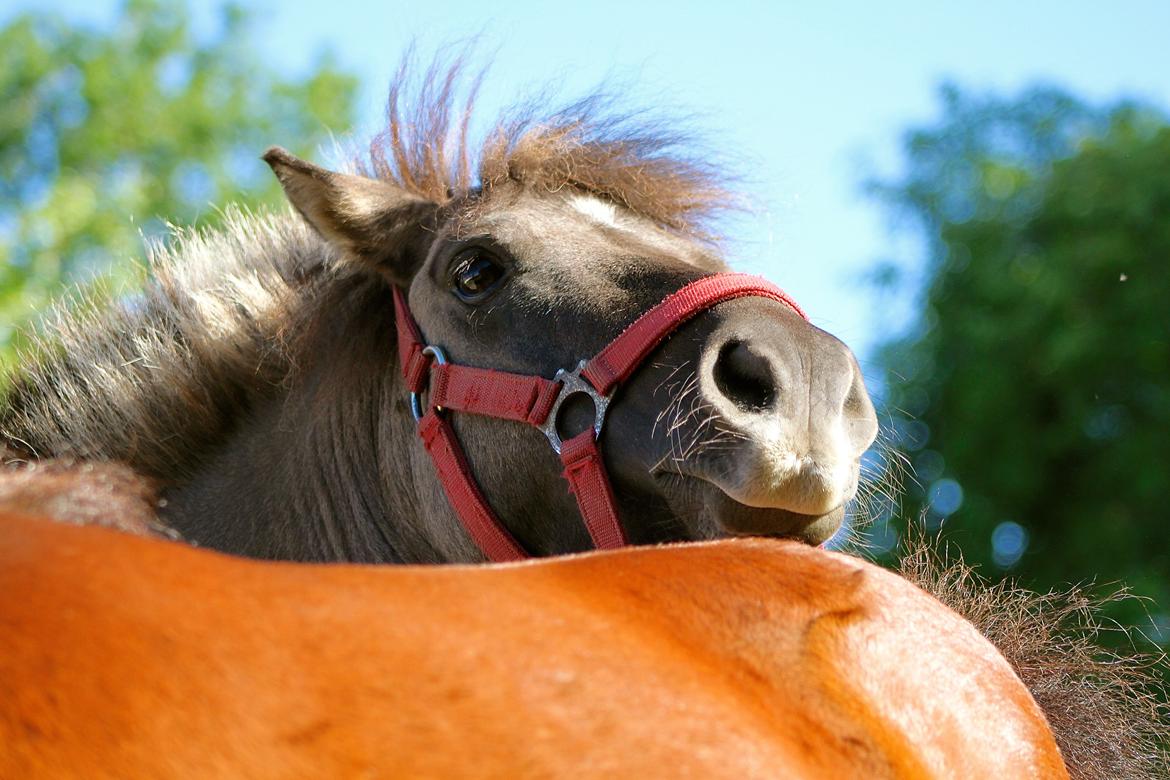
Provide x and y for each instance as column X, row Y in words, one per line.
column 374, row 222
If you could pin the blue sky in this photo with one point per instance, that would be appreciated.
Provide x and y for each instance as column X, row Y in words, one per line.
column 810, row 98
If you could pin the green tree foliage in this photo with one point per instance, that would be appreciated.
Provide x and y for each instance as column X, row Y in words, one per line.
column 106, row 135
column 1032, row 394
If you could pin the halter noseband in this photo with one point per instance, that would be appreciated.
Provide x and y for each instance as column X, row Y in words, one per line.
column 537, row 401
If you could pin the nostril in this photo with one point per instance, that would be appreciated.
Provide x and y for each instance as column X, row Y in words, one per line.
column 744, row 375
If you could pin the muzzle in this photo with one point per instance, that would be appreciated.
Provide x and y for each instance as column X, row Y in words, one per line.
column 537, row 401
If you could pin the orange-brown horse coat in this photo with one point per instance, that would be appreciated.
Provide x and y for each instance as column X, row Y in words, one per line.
column 125, row 657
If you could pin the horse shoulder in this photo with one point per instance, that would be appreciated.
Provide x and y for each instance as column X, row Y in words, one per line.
column 929, row 682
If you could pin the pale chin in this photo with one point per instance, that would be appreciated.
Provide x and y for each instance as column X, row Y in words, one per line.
column 729, row 517
column 814, row 530
column 807, row 489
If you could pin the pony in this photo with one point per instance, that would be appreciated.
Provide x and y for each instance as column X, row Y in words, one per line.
column 256, row 381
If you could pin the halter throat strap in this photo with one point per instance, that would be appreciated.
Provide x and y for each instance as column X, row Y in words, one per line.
column 537, row 401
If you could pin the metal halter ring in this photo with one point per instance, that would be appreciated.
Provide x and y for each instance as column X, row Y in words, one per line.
column 572, row 383
column 441, row 359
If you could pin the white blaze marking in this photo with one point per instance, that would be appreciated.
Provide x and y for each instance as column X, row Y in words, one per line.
column 596, row 209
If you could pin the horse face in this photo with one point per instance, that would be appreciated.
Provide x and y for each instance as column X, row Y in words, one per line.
column 747, row 420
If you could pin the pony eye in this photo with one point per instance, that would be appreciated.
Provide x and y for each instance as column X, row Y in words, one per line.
column 477, row 275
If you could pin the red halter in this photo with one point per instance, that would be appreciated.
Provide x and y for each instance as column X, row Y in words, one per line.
column 537, row 401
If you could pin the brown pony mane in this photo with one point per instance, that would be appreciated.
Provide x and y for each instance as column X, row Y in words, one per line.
column 105, row 494
column 1108, row 710
column 627, row 159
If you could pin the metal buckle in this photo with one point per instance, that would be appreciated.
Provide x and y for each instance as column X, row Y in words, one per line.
column 572, row 383
column 441, row 359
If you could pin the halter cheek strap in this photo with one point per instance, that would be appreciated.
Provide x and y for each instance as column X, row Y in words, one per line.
column 537, row 401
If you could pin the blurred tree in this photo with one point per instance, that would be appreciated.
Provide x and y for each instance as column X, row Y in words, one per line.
column 1032, row 395
column 146, row 121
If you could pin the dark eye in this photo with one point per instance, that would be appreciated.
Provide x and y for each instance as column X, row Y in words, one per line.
column 476, row 275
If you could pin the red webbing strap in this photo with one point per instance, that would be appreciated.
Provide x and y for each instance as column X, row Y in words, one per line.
column 614, row 364
column 585, row 472
column 530, row 398
column 465, row 497
column 493, row 393
column 410, row 345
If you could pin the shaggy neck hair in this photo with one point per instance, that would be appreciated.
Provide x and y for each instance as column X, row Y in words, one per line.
column 160, row 379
